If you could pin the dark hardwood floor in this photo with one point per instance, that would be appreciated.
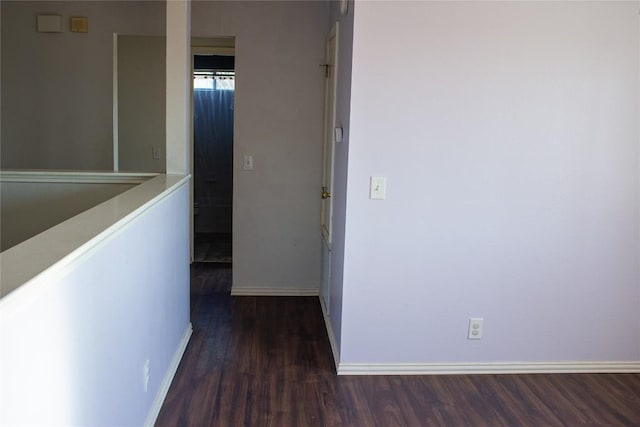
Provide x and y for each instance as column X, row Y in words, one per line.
column 212, row 247
column 266, row 361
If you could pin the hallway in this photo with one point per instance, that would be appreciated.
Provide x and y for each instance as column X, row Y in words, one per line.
column 258, row 361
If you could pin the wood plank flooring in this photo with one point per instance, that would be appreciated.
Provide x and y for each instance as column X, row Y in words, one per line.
column 266, row 361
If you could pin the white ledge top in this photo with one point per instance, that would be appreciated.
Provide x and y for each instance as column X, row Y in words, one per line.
column 75, row 177
column 27, row 266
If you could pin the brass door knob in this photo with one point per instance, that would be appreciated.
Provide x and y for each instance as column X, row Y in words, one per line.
column 325, row 193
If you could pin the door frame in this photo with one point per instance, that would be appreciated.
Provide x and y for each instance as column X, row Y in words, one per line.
column 328, row 158
column 201, row 46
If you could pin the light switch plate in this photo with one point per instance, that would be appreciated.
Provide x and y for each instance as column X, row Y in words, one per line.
column 248, row 163
column 378, row 188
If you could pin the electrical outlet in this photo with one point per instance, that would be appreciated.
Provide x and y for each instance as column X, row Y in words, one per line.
column 475, row 328
column 146, row 371
column 155, row 153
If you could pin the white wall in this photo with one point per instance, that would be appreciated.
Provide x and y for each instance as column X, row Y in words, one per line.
column 341, row 154
column 278, row 120
column 508, row 133
column 29, row 208
column 57, row 109
column 74, row 342
column 141, row 103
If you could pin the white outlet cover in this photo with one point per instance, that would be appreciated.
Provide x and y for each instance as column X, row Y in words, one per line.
column 475, row 328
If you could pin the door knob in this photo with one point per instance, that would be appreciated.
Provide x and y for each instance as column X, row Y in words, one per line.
column 325, row 193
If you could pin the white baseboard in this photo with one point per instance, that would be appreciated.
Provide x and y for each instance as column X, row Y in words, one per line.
column 274, row 292
column 168, row 378
column 332, row 338
column 486, row 368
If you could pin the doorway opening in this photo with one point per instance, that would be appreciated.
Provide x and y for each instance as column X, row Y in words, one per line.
column 213, row 117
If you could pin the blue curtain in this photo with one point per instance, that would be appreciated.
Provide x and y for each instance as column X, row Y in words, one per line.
column 213, row 147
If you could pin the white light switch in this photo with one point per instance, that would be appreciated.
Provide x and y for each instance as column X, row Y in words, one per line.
column 248, row 163
column 378, row 188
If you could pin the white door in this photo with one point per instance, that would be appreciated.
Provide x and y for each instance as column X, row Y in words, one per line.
column 328, row 155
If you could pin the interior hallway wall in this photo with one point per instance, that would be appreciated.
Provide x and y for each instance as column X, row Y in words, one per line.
column 57, row 87
column 508, row 133
column 279, row 104
column 29, row 208
column 141, row 103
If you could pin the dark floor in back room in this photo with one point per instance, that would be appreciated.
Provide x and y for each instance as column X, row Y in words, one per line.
column 266, row 361
column 212, row 247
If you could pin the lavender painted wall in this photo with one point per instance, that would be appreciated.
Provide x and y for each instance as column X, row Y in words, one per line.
column 341, row 160
column 508, row 133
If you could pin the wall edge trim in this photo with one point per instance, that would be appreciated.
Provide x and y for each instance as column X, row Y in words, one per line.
column 487, row 368
column 332, row 337
column 154, row 411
